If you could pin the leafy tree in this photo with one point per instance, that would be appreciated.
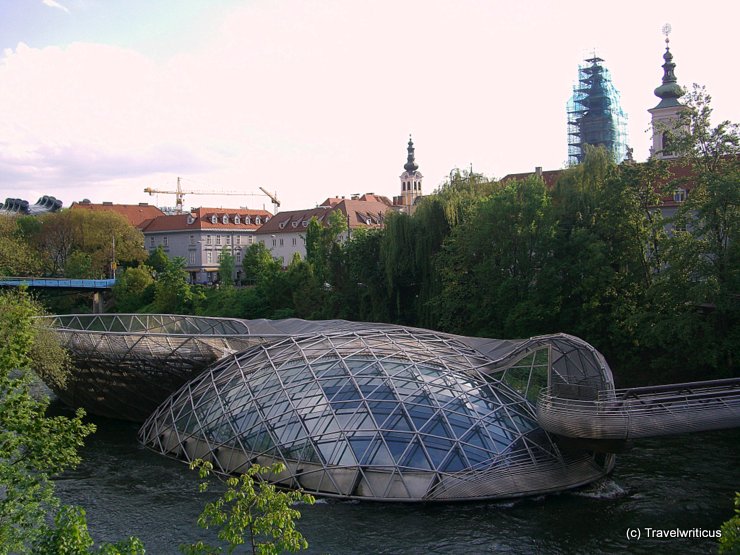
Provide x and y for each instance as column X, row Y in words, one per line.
column 70, row 537
column 320, row 239
column 226, row 267
column 158, row 260
column 57, row 236
column 729, row 543
column 33, row 446
column 258, row 263
column 79, row 265
column 172, row 292
column 16, row 257
column 257, row 515
column 134, row 289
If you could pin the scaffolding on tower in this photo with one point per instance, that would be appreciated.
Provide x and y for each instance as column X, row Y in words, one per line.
column 595, row 116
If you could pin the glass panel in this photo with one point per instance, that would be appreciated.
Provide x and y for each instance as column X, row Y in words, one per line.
column 397, row 443
column 455, row 462
column 415, row 457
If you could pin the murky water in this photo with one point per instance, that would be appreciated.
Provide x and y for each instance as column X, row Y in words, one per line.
column 682, row 482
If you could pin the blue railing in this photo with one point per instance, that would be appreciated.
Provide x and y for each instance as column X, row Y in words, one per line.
column 57, row 282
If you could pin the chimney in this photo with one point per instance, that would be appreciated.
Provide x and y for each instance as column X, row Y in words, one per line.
column 538, row 171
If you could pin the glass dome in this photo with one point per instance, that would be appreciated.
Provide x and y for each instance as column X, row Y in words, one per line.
column 388, row 414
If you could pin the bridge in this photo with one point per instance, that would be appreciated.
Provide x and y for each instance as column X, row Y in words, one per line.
column 621, row 414
column 96, row 286
column 58, row 283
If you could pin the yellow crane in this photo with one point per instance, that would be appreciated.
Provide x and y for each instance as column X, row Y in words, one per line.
column 180, row 194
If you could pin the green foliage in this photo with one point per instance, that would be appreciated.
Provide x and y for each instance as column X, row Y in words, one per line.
column 172, row 292
column 70, row 537
column 226, row 265
column 258, row 264
column 17, row 258
column 729, row 543
column 321, row 240
column 33, row 446
column 259, row 516
column 134, row 289
column 55, row 237
column 79, row 265
column 158, row 260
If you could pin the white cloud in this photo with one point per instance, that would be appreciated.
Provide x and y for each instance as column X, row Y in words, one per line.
column 54, row 4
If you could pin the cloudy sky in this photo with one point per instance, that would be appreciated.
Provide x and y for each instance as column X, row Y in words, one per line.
column 102, row 98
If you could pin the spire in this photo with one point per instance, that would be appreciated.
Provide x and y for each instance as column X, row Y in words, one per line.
column 670, row 91
column 410, row 165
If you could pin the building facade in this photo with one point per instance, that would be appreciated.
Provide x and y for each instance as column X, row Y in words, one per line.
column 202, row 235
column 411, row 180
column 285, row 234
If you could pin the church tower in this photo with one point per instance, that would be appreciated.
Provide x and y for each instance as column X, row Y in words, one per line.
column 665, row 116
column 410, row 181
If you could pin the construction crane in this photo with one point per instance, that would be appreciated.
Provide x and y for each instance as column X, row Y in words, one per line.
column 180, row 194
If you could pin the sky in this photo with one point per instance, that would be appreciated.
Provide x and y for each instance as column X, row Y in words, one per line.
column 100, row 99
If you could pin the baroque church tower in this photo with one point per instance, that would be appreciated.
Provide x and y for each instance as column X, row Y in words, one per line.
column 410, row 181
column 665, row 116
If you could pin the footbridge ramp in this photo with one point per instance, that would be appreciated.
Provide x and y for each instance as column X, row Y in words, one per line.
column 641, row 411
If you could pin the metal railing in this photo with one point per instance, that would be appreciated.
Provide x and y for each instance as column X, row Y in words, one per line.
column 643, row 412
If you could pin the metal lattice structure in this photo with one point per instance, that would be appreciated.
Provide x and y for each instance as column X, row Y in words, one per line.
column 127, row 364
column 595, row 116
column 386, row 413
column 642, row 411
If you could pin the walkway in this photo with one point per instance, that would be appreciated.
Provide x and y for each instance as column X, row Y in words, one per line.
column 642, row 411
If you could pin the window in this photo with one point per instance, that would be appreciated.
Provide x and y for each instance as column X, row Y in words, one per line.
column 208, row 239
column 209, row 257
column 274, row 242
column 238, row 257
column 281, row 241
column 237, row 219
column 667, row 146
column 679, row 195
column 192, row 258
column 257, row 220
column 250, row 240
column 295, row 224
column 214, row 219
column 247, row 220
column 164, row 240
column 225, row 219
column 190, row 219
column 238, row 239
column 151, row 240
column 228, row 239
column 305, row 223
column 218, row 239
column 192, row 239
column 294, row 241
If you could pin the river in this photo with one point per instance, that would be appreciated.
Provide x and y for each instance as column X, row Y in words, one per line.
column 681, row 482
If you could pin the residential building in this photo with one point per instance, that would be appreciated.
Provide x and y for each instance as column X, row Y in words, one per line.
column 285, row 234
column 202, row 235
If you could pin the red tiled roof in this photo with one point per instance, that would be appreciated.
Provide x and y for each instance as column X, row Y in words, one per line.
column 359, row 213
column 137, row 214
column 201, row 218
column 550, row 177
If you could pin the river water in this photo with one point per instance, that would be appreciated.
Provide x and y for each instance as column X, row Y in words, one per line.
column 681, row 482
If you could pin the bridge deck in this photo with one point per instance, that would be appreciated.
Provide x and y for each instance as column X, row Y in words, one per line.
column 93, row 284
column 643, row 412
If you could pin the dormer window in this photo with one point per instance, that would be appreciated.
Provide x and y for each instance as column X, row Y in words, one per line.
column 295, row 224
column 190, row 219
column 225, row 219
column 257, row 220
column 281, row 225
column 247, row 220
column 305, row 223
column 679, row 195
column 237, row 219
column 214, row 219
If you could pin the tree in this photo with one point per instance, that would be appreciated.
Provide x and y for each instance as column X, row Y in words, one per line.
column 320, row 239
column 172, row 292
column 158, row 260
column 226, row 267
column 697, row 294
column 729, row 542
column 258, row 514
column 258, row 263
column 103, row 236
column 33, row 446
column 16, row 257
column 134, row 289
